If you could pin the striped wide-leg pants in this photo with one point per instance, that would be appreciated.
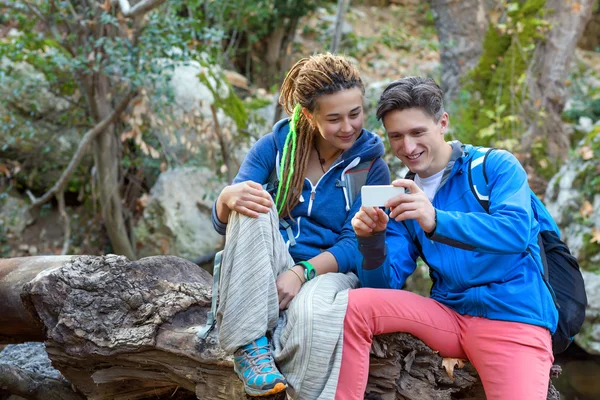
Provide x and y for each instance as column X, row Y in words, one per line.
column 307, row 338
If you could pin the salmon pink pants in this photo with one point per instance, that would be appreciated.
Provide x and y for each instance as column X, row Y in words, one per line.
column 513, row 359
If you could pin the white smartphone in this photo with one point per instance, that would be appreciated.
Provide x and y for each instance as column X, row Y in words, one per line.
column 378, row 195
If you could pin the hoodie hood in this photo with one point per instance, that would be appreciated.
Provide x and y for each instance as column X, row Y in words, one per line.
column 368, row 146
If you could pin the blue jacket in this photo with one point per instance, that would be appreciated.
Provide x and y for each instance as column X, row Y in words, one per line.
column 482, row 264
column 322, row 219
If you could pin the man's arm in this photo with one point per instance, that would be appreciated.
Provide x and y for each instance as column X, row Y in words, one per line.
column 388, row 257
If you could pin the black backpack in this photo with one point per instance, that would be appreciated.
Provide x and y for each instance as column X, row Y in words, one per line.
column 561, row 270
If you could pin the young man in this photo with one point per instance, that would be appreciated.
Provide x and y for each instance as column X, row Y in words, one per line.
column 489, row 303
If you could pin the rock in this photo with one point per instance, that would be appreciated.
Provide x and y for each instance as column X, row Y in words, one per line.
column 177, row 219
column 236, row 79
column 30, row 115
column 346, row 27
column 30, row 356
column 589, row 337
column 568, row 193
column 573, row 200
column 372, row 92
column 14, row 216
column 28, row 90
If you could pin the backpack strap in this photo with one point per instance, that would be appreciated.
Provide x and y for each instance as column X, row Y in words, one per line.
column 273, row 181
column 354, row 179
column 478, row 180
column 211, row 320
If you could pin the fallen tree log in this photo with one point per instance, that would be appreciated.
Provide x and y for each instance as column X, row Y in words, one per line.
column 120, row 329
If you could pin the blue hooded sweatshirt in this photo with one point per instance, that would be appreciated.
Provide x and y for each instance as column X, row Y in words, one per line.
column 322, row 219
column 482, row 264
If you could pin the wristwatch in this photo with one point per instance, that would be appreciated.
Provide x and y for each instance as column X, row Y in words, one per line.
column 309, row 271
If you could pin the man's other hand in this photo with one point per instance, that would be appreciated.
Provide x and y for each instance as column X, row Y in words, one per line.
column 369, row 220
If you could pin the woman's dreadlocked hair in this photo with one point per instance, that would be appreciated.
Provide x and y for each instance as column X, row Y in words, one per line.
column 308, row 79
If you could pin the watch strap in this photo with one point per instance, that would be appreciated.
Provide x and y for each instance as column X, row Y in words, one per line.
column 309, row 271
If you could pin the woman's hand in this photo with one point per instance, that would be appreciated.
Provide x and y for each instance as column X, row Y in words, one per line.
column 289, row 284
column 369, row 220
column 247, row 198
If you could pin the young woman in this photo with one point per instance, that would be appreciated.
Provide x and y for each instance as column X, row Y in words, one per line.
column 283, row 248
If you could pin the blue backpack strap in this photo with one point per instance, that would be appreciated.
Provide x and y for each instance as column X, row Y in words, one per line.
column 478, row 180
column 355, row 178
column 288, row 229
column 273, row 180
column 479, row 186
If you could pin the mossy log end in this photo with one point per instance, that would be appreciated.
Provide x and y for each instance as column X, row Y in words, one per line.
column 120, row 329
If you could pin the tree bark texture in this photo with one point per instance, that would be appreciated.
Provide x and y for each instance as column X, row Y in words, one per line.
column 548, row 73
column 120, row 329
column 461, row 26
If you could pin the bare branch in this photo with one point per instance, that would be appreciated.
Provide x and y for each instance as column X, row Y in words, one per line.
column 225, row 153
column 87, row 139
column 140, row 8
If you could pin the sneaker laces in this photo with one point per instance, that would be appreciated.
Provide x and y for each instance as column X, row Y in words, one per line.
column 257, row 359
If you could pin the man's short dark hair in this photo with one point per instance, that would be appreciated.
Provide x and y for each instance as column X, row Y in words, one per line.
column 412, row 92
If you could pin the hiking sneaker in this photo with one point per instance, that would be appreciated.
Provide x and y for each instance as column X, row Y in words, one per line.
column 255, row 366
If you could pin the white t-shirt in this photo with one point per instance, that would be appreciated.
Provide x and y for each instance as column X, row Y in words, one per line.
column 429, row 185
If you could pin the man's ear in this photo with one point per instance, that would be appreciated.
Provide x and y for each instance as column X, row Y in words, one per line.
column 444, row 121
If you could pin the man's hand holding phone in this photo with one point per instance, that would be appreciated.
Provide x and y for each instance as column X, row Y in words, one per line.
column 405, row 201
column 414, row 205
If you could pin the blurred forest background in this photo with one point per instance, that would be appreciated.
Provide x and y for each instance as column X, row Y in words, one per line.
column 121, row 121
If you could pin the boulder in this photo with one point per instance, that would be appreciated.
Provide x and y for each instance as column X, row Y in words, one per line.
column 33, row 134
column 589, row 337
column 177, row 217
column 14, row 216
column 573, row 200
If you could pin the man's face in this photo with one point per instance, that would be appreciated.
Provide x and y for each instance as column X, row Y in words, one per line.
column 418, row 140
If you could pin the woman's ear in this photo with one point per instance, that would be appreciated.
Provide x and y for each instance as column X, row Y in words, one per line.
column 308, row 115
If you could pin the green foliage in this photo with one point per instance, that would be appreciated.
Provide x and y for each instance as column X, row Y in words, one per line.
column 63, row 53
column 493, row 91
column 225, row 97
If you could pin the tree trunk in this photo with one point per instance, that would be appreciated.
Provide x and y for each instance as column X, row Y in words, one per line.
column 590, row 39
column 119, row 329
column 268, row 70
column 16, row 324
column 106, row 160
column 339, row 25
column 548, row 73
column 461, row 27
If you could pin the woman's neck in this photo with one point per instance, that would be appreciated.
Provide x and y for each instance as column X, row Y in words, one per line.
column 326, row 151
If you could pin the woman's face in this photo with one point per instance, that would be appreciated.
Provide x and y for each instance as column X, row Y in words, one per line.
column 338, row 118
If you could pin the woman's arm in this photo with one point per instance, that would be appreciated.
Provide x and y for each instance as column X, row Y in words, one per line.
column 246, row 195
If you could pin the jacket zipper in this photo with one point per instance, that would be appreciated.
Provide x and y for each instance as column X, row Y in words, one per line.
column 313, row 189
